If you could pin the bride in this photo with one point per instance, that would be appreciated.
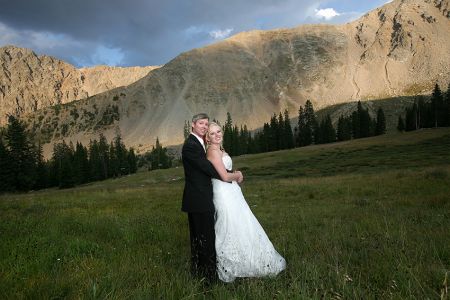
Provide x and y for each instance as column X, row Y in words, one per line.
column 243, row 248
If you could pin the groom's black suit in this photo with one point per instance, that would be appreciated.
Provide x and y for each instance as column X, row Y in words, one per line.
column 198, row 203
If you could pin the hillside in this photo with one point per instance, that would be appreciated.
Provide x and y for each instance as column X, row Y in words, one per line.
column 399, row 49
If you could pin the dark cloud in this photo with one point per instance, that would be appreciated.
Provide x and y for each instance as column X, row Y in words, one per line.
column 136, row 32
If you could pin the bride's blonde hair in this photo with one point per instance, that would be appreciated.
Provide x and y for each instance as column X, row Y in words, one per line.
column 211, row 124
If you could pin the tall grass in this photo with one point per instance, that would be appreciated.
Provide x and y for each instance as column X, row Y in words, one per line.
column 361, row 219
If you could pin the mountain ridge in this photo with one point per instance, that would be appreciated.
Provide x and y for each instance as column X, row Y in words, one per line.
column 398, row 49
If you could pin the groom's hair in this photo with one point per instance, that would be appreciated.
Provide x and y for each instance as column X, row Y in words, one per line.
column 199, row 116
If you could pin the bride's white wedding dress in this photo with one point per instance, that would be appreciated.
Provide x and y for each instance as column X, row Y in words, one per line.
column 243, row 248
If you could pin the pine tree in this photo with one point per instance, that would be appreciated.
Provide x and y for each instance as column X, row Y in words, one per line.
column 307, row 125
column 273, row 137
column 421, row 112
column 437, row 106
column 6, row 171
column 21, row 155
column 281, row 133
column 356, row 131
column 328, row 131
column 95, row 164
column 103, row 151
column 158, row 157
column 446, row 113
column 121, row 155
column 411, row 118
column 311, row 123
column 132, row 161
column 81, row 164
column 381, row 122
column 400, row 124
column 244, row 137
column 364, row 121
column 319, row 136
column 235, row 142
column 288, row 135
column 62, row 161
column 41, row 170
column 228, row 133
column 344, row 131
column 113, row 161
column 301, row 127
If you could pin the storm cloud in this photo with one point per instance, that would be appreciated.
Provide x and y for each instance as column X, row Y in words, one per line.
column 143, row 32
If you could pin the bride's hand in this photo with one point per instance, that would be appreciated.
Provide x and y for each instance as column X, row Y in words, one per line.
column 241, row 177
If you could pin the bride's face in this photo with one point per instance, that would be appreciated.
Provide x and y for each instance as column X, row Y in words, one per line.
column 215, row 135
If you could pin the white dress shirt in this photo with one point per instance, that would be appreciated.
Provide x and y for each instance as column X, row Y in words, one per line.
column 200, row 140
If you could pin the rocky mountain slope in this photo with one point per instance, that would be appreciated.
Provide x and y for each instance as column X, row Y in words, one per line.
column 401, row 48
column 29, row 82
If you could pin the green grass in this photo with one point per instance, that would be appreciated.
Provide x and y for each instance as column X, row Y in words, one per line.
column 361, row 219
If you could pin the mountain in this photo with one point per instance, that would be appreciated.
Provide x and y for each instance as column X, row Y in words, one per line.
column 29, row 82
column 399, row 49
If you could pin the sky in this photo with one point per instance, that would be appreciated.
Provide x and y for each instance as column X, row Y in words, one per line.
column 150, row 32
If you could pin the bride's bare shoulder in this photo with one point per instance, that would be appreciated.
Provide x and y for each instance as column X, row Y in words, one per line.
column 214, row 152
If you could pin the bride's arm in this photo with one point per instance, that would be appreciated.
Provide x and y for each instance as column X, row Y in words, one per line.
column 215, row 157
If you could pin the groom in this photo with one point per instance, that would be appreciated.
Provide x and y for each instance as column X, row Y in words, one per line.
column 198, row 200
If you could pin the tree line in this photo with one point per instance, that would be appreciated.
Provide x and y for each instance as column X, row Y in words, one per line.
column 427, row 114
column 278, row 134
column 23, row 168
column 157, row 158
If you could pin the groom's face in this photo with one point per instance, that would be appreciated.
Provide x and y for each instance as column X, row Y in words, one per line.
column 200, row 127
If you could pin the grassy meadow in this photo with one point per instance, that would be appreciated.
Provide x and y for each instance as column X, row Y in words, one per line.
column 363, row 219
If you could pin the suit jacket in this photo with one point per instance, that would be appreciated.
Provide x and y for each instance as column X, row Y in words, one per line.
column 198, row 171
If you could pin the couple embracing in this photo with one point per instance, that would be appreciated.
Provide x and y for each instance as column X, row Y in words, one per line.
column 227, row 240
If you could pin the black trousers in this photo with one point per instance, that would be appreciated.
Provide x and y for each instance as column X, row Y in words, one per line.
column 203, row 248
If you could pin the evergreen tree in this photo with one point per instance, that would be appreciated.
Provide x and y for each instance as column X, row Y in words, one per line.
column 21, row 155
column 6, row 171
column 411, row 118
column 356, row 132
column 273, row 134
column 422, row 112
column 446, row 110
column 228, row 133
column 103, row 151
column 307, row 125
column 437, row 102
column 113, row 161
column 301, row 125
column 41, row 170
column 132, row 161
column 328, row 131
column 364, row 121
column 63, row 166
column 264, row 138
column 288, row 135
column 344, row 129
column 281, row 134
column 381, row 122
column 235, row 141
column 311, row 123
column 158, row 157
column 121, row 155
column 95, row 163
column 244, row 138
column 81, row 164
